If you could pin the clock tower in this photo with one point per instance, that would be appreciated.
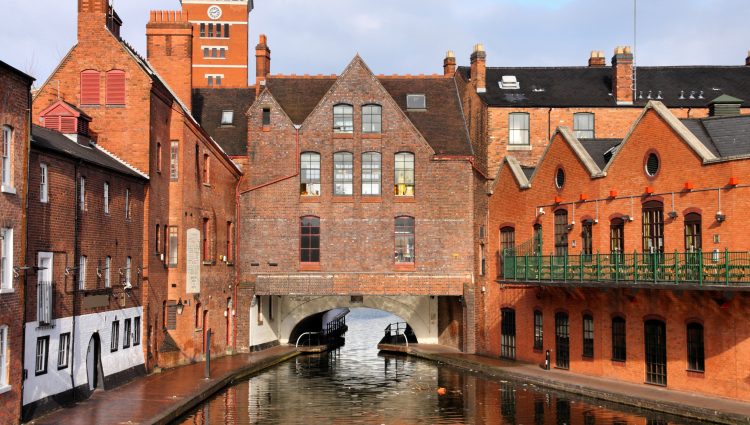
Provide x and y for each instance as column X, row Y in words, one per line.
column 220, row 41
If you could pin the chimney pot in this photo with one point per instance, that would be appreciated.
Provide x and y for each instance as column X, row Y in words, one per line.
column 479, row 68
column 597, row 59
column 622, row 75
column 449, row 63
column 262, row 62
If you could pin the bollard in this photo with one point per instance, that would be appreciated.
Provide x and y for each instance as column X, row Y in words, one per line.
column 546, row 360
column 208, row 354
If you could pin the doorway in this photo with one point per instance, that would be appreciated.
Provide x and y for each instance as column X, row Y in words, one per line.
column 562, row 341
column 656, row 352
column 94, row 363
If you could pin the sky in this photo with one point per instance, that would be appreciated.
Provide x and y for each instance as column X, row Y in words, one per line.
column 412, row 36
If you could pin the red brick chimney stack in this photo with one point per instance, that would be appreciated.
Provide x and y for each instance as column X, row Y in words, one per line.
column 169, row 40
column 479, row 68
column 262, row 62
column 597, row 59
column 622, row 77
column 92, row 18
column 449, row 64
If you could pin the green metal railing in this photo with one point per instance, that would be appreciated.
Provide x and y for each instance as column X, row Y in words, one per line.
column 697, row 268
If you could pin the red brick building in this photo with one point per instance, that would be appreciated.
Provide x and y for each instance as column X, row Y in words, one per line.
column 15, row 122
column 138, row 112
column 628, row 261
column 84, row 298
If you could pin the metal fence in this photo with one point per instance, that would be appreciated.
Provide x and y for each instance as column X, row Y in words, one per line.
column 697, row 268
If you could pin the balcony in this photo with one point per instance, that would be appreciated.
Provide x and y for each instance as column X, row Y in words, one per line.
column 708, row 270
column 44, row 302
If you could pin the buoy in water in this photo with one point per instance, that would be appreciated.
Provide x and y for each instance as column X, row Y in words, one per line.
column 441, row 391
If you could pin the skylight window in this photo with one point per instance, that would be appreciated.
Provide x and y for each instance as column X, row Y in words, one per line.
column 227, row 117
column 416, row 101
column 509, row 82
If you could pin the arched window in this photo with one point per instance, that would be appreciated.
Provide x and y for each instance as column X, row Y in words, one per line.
column 619, row 352
column 696, row 355
column 343, row 118
column 90, row 88
column 371, row 173
column 588, row 336
column 508, row 333
column 343, row 173
column 310, row 240
column 404, row 178
column 655, row 341
column 115, row 88
column 562, row 340
column 507, row 240
column 404, row 240
column 561, row 233
column 309, row 174
column 693, row 240
column 587, row 239
column 371, row 118
column 653, row 227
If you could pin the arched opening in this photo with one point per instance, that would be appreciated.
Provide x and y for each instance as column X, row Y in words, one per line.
column 94, row 371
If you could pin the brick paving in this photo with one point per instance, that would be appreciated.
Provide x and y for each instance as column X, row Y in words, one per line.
column 162, row 397
column 695, row 406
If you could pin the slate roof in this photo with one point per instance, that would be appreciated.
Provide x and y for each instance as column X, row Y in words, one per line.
column 298, row 96
column 208, row 105
column 50, row 140
column 592, row 86
column 723, row 136
column 29, row 79
column 528, row 171
column 600, row 149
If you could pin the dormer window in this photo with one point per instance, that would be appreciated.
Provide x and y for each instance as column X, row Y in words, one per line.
column 227, row 117
column 416, row 102
column 509, row 82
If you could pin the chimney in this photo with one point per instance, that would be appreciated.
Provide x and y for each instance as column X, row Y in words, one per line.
column 622, row 76
column 725, row 106
column 747, row 59
column 597, row 59
column 169, row 41
column 479, row 68
column 262, row 63
column 93, row 17
column 449, row 64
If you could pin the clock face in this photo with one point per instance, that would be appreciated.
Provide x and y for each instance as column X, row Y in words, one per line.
column 214, row 12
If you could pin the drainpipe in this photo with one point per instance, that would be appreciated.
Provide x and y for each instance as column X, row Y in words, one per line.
column 76, row 255
column 25, row 224
column 549, row 123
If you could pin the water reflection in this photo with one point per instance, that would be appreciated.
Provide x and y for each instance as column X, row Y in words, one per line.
column 356, row 385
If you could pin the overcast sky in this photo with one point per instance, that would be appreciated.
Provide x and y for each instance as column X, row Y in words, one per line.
column 412, row 36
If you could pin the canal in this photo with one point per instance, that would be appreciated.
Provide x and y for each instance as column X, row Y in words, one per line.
column 357, row 385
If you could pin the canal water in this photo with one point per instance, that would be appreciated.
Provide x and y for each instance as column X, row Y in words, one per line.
column 357, row 385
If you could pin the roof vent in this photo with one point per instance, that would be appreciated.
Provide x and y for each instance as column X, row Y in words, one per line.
column 724, row 106
column 416, row 102
column 509, row 82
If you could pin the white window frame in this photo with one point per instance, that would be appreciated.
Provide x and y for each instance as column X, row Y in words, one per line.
column 128, row 274
column 106, row 197
column 63, row 351
column 82, row 190
column 127, row 327
column 82, row 272
column 4, row 382
column 7, row 166
column 584, row 133
column 136, row 331
column 43, row 183
column 6, row 261
column 115, row 336
column 227, row 117
column 107, row 274
column 127, row 204
column 45, row 307
column 519, row 135
column 41, row 356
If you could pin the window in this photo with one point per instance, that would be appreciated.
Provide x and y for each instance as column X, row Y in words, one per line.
column 222, row 53
column 137, row 331
column 170, row 315
column 82, row 272
column 7, row 143
column 343, row 119
column 127, row 204
column 211, row 30
column 90, row 89
column 696, row 359
column 82, row 192
column 404, row 179
column 115, row 342
column 508, row 333
column 405, row 240
column 693, row 242
column 618, row 339
column 518, row 127
column 561, row 233
column 174, row 156
column 371, row 118
column 538, row 330
column 617, row 236
column 310, row 240
column 63, row 351
column 206, row 171
column 218, row 30
column 562, row 340
column 588, row 336
column 115, row 88
column 310, row 174
column 158, row 239
column 560, row 178
column 158, row 157
column 343, row 173
column 172, row 246
column 230, row 241
column 655, row 349
column 371, row 173
column 126, row 334
column 203, row 30
column 583, row 125
column 197, row 315
column 206, row 240
column 653, row 227
column 43, row 183
column 652, row 164
column 508, row 240
column 42, row 354
column 206, row 52
column 6, row 260
column 538, row 239
column 226, row 30
column 128, row 270
column 587, row 245
column 227, row 117
column 214, row 52
column 107, row 275
column 210, row 80
column 4, row 382
column 416, row 101
column 266, row 118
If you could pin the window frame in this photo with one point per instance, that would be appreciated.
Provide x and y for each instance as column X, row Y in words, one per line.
column 107, row 274
column 82, row 193
column 586, row 133
column 43, row 183
column 173, row 245
column 136, row 331
column 227, row 122
column 127, row 204
column 41, row 367
column 128, row 270
column 114, row 344
column 538, row 330
column 587, row 240
column 588, row 336
column 311, row 235
column 695, row 345
column 372, row 118
column 693, row 232
column 126, row 329
column 63, row 351
column 561, row 233
column 309, row 175
column 508, row 333
column 343, row 174
column 7, row 158
column 6, row 260
column 507, row 240
column 408, row 233
column 105, row 196
column 265, row 119
column 652, row 228
column 404, row 168
column 4, row 367
column 174, row 158
column 617, row 236
column 82, row 264
column 371, row 167
column 206, row 240
column 522, row 129
column 343, row 116
column 619, row 339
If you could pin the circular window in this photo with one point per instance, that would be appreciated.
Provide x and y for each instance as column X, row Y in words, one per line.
column 560, row 178
column 652, row 164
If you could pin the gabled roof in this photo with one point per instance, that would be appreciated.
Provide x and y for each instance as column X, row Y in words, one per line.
column 62, row 105
column 678, row 86
column 519, row 172
column 578, row 150
column 50, row 140
column 298, row 96
column 29, row 79
column 725, row 137
column 208, row 105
